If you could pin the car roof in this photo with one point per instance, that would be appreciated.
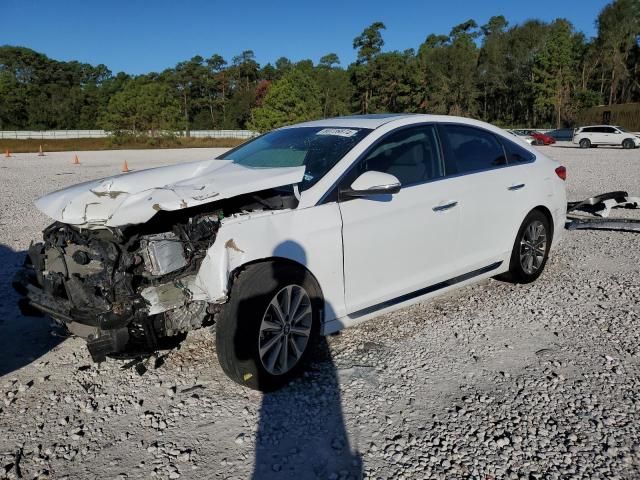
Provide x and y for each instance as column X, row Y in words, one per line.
column 355, row 121
column 591, row 126
column 376, row 120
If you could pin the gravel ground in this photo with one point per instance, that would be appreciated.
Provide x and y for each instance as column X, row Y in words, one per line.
column 492, row 381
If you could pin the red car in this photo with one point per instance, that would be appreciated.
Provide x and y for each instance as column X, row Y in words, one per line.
column 541, row 137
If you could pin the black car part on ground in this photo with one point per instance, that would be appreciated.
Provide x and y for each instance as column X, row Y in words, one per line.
column 90, row 280
column 619, row 224
column 601, row 206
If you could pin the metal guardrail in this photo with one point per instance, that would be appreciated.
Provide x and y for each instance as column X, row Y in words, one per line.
column 63, row 134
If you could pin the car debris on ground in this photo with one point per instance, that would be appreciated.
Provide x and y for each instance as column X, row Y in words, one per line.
column 600, row 206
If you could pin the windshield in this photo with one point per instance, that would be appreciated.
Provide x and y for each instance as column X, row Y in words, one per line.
column 622, row 129
column 317, row 148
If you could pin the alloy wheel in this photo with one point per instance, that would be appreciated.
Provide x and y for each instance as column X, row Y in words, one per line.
column 285, row 330
column 533, row 247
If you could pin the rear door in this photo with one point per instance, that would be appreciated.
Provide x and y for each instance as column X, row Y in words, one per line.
column 493, row 194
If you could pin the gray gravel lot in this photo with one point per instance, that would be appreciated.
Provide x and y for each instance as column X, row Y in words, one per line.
column 492, row 381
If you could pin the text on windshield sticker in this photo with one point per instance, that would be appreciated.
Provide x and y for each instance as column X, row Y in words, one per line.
column 340, row 132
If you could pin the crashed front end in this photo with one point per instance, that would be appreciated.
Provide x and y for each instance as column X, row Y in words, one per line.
column 124, row 291
column 120, row 266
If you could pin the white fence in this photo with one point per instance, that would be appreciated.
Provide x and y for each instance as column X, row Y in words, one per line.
column 221, row 133
column 61, row 134
column 52, row 134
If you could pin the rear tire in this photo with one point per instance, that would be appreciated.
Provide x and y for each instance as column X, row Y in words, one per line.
column 585, row 143
column 255, row 348
column 530, row 249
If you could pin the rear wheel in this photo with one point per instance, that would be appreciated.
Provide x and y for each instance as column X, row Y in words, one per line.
column 585, row 143
column 628, row 144
column 531, row 249
column 269, row 326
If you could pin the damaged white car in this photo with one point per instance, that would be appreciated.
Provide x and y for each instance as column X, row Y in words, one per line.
column 298, row 233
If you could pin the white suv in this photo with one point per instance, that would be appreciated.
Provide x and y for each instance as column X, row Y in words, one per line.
column 605, row 135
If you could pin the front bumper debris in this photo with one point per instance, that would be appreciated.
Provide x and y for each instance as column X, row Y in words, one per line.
column 103, row 337
column 601, row 206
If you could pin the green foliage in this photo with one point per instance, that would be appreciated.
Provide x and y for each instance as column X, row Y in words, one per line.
column 37, row 92
column 369, row 43
column 535, row 73
column 293, row 98
column 142, row 107
column 553, row 72
column 447, row 67
column 335, row 88
column 329, row 60
column 618, row 34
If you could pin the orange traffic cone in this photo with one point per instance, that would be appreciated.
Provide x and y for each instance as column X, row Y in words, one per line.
column 7, row 153
column 76, row 161
column 125, row 167
column 40, row 154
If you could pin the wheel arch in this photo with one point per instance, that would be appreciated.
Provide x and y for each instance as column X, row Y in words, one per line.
column 547, row 213
column 233, row 275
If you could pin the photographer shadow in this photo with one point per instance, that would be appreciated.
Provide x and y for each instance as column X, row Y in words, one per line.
column 301, row 432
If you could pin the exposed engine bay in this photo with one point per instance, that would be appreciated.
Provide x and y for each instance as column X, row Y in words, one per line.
column 126, row 290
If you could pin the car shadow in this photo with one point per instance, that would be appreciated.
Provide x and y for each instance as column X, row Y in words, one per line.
column 22, row 339
column 301, row 431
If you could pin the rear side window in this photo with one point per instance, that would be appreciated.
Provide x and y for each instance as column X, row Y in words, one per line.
column 587, row 130
column 517, row 154
column 470, row 149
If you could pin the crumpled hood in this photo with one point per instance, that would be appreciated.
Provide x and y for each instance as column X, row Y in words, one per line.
column 134, row 198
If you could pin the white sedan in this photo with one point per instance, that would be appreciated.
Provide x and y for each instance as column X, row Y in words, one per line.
column 298, row 233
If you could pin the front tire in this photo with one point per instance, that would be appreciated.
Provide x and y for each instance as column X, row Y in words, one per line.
column 628, row 144
column 530, row 249
column 585, row 143
column 269, row 326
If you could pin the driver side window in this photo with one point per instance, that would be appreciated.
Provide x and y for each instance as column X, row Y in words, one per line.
column 412, row 155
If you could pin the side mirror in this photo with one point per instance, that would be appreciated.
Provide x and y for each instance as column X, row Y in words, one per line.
column 372, row 183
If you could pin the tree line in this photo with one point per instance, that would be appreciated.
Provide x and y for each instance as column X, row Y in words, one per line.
column 536, row 73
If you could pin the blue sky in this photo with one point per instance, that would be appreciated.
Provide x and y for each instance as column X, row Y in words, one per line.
column 139, row 36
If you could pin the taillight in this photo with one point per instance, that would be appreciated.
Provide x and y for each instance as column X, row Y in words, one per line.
column 561, row 172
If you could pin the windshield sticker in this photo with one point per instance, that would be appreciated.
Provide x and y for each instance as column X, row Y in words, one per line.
column 308, row 177
column 340, row 132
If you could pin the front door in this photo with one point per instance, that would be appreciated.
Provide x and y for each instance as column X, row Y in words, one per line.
column 397, row 244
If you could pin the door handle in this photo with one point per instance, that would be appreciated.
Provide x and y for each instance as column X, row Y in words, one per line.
column 516, row 187
column 447, row 206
